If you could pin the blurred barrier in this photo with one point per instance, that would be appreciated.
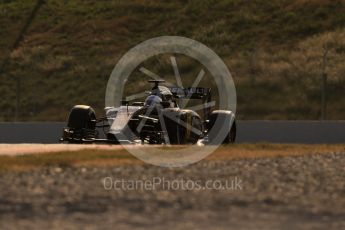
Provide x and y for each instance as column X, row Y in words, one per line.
column 28, row 132
column 305, row 132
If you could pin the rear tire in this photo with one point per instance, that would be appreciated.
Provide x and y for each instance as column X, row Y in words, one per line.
column 217, row 120
column 231, row 137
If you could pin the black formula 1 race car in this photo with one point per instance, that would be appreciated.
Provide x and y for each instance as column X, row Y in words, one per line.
column 157, row 120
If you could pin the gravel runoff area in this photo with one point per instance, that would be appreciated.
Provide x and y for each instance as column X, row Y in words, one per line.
column 304, row 192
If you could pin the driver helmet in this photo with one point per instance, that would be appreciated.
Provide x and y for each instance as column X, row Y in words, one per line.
column 153, row 100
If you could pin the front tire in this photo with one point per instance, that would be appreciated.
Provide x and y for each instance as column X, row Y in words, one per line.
column 81, row 124
column 188, row 132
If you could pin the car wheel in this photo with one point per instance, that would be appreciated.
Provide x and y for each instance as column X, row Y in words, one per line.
column 82, row 122
column 223, row 118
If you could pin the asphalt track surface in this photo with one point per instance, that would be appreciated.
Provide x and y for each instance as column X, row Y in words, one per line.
column 303, row 132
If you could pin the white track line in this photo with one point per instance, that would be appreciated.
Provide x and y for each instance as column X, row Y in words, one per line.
column 25, row 149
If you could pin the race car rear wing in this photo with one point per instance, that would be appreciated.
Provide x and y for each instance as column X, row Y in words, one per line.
column 200, row 93
column 191, row 93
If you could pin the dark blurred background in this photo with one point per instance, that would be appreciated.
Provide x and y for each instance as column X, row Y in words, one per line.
column 286, row 56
